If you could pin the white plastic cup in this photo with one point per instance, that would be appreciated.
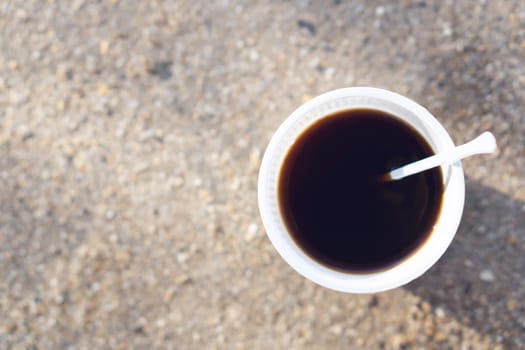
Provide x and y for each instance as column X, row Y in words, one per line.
column 325, row 105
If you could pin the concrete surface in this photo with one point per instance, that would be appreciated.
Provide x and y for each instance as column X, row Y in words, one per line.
column 130, row 138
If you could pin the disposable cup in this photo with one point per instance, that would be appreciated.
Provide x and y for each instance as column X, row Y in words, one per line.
column 323, row 106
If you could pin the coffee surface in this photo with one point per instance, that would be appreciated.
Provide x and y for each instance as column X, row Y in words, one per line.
column 335, row 210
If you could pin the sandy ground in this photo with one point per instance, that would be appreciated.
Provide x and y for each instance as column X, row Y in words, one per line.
column 131, row 134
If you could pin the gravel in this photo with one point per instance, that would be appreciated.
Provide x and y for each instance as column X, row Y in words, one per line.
column 130, row 139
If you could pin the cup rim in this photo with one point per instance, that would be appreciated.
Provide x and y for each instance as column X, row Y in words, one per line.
column 409, row 268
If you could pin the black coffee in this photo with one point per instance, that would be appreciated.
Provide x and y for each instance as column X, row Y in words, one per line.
column 332, row 205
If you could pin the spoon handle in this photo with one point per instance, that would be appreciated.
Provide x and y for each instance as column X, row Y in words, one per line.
column 484, row 143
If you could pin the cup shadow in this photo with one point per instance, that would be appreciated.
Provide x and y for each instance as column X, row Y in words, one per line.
column 481, row 277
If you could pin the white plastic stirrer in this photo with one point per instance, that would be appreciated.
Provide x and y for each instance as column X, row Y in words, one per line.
column 484, row 143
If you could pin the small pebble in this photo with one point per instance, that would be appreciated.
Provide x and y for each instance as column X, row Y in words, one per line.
column 13, row 65
column 380, row 11
column 487, row 276
column 104, row 47
column 255, row 158
column 309, row 26
column 426, row 307
column 178, row 181
column 182, row 279
column 183, row 257
column 254, row 55
column 336, row 329
column 205, row 196
column 169, row 294
column 253, row 228
column 251, row 232
column 103, row 89
column 440, row 313
column 446, row 29
column 110, row 214
column 512, row 240
column 512, row 304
